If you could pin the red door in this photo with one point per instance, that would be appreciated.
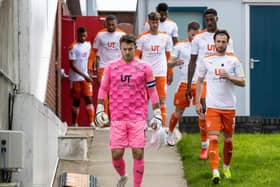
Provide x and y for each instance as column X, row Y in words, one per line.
column 69, row 26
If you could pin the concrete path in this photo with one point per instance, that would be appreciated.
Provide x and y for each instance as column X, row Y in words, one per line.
column 163, row 168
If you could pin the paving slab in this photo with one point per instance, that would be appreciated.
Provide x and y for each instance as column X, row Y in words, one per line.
column 163, row 168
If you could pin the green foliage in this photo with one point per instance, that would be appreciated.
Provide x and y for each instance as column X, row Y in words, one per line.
column 255, row 161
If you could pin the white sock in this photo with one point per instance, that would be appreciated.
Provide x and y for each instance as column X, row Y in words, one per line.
column 204, row 145
column 170, row 133
column 215, row 171
column 225, row 166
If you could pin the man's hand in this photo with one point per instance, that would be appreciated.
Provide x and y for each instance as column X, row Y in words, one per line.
column 224, row 74
column 90, row 72
column 199, row 111
column 156, row 121
column 101, row 118
column 88, row 78
column 169, row 79
column 189, row 92
column 179, row 62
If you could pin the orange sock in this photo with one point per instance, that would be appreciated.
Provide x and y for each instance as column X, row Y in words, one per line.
column 202, row 130
column 163, row 114
column 90, row 112
column 213, row 154
column 228, row 148
column 173, row 122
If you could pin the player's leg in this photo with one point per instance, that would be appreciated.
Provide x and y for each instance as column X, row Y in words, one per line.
column 180, row 102
column 203, row 135
column 138, row 166
column 118, row 143
column 202, row 124
column 214, row 157
column 76, row 94
column 136, row 134
column 88, row 93
column 161, row 89
column 75, row 111
column 119, row 165
column 175, row 117
column 213, row 120
column 228, row 120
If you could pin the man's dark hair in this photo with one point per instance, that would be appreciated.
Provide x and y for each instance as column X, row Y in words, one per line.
column 110, row 18
column 221, row 32
column 128, row 38
column 210, row 11
column 194, row 26
column 162, row 7
column 154, row 16
column 81, row 30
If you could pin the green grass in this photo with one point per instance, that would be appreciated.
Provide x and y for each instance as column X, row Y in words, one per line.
column 255, row 161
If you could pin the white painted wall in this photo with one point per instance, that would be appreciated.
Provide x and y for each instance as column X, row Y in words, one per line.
column 231, row 15
column 27, row 28
column 42, row 128
column 42, row 16
column 8, row 56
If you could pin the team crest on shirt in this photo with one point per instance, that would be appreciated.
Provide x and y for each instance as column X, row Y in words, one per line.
column 84, row 54
column 136, row 68
column 229, row 62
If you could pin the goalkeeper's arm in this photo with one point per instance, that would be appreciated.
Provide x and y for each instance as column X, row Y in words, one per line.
column 156, row 121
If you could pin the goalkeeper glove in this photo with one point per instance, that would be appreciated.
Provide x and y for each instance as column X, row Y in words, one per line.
column 156, row 121
column 101, row 118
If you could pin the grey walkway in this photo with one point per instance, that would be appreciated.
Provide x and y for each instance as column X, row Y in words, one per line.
column 163, row 168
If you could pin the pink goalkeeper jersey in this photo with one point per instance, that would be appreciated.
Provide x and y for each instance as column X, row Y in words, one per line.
column 128, row 85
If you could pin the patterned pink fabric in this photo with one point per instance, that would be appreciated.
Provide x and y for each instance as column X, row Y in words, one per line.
column 128, row 85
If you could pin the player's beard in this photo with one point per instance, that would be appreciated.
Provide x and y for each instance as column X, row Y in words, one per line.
column 162, row 19
column 221, row 49
column 111, row 30
column 212, row 27
column 81, row 40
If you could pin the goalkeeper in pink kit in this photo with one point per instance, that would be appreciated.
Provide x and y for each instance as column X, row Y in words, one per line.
column 127, row 81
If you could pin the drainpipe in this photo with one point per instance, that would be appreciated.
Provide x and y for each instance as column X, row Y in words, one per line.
column 11, row 98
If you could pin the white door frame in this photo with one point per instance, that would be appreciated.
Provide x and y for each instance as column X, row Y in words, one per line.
column 249, row 3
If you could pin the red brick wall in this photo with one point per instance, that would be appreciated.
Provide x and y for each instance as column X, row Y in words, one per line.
column 51, row 94
column 53, row 85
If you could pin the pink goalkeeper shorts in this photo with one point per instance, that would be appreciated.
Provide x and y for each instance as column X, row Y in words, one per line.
column 124, row 134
